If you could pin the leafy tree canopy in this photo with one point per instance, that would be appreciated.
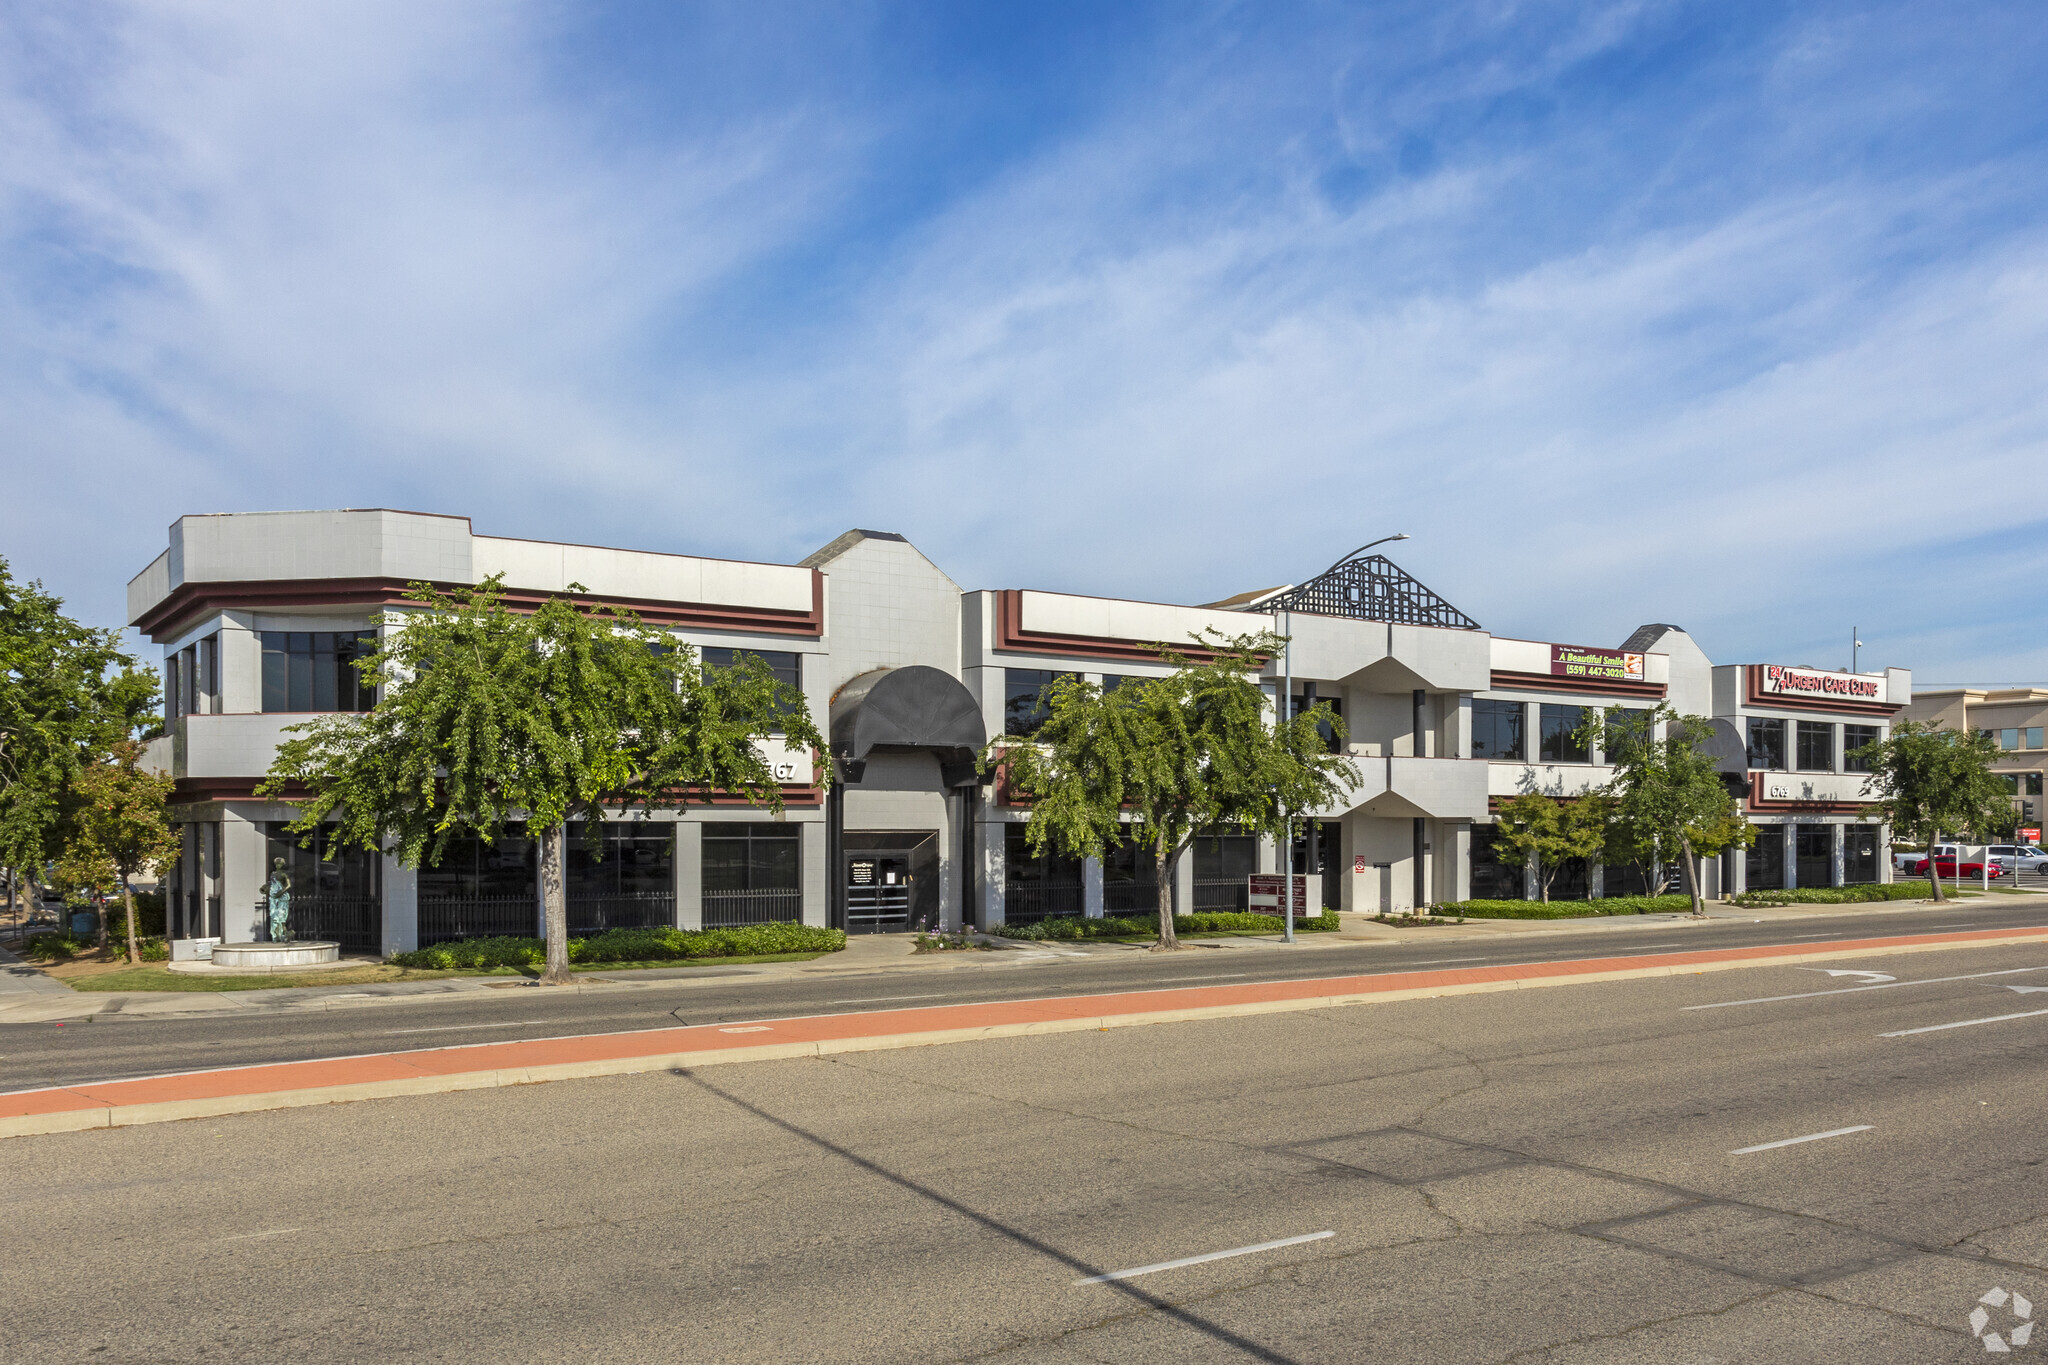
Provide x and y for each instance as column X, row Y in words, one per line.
column 489, row 716
column 1159, row 760
column 68, row 696
column 1555, row 830
column 1931, row 781
column 1670, row 804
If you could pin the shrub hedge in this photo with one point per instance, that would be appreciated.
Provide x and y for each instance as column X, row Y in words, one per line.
column 50, row 948
column 1071, row 927
column 630, row 945
column 1611, row 905
column 1837, row 895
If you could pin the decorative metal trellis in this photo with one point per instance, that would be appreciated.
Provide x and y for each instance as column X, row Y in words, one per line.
column 1370, row 588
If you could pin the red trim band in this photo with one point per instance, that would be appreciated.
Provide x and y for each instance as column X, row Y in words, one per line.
column 1504, row 680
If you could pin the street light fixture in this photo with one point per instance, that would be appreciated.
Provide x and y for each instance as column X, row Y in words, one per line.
column 1400, row 535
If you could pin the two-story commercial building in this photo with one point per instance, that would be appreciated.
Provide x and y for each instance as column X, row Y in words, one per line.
column 261, row 616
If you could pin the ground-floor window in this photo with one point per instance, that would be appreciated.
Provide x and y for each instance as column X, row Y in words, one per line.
column 1224, row 863
column 1037, row 886
column 626, row 881
column 1130, row 881
column 481, row 890
column 1816, row 854
column 1859, row 854
column 1496, row 869
column 753, row 873
column 1623, row 879
column 328, row 891
column 1764, row 867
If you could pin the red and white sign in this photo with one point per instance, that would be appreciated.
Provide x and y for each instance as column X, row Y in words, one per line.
column 1266, row 889
column 1807, row 682
column 1358, row 864
column 2030, row 834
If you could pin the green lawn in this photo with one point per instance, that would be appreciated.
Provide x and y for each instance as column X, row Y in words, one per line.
column 154, row 976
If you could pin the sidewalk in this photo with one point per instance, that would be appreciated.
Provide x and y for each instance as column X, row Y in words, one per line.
column 232, row 1090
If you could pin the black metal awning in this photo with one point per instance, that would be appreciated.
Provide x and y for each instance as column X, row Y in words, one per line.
column 911, row 708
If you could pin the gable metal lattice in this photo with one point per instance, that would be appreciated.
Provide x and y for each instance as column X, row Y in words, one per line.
column 1371, row 588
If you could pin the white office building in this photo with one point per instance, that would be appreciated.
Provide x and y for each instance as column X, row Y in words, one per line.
column 261, row 614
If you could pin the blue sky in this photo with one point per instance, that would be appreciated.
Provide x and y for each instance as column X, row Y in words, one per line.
column 1729, row 315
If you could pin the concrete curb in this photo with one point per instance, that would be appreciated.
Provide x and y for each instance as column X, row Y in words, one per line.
column 65, row 1109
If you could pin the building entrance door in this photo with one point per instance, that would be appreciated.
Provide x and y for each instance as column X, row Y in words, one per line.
column 892, row 880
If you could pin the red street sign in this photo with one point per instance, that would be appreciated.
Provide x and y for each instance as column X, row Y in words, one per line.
column 2031, row 834
column 1266, row 888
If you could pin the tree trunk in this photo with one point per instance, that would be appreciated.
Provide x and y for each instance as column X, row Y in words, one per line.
column 1163, row 861
column 100, row 904
column 1692, row 878
column 555, row 905
column 128, row 900
column 1934, row 873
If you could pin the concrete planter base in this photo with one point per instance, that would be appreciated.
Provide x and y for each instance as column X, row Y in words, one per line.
column 298, row 956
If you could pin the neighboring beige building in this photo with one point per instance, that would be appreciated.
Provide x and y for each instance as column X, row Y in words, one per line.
column 2016, row 719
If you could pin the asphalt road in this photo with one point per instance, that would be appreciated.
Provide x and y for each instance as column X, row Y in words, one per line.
column 116, row 1046
column 1556, row 1175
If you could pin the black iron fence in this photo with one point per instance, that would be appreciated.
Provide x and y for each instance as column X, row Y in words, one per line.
column 1130, row 898
column 354, row 922
column 737, row 909
column 1224, row 895
column 625, row 910
column 1030, row 902
column 445, row 919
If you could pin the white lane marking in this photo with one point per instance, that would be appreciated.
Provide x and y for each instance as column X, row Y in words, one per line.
column 1848, row 990
column 883, row 999
column 1963, row 1023
column 1221, row 976
column 2028, row 990
column 1438, row 961
column 457, row 1028
column 1210, row 1256
column 750, row 1028
column 245, row 1236
column 1810, row 1137
column 1826, row 935
column 1844, row 971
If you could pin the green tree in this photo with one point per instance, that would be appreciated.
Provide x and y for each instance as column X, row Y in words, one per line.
column 1159, row 760
column 1929, row 780
column 1555, row 830
column 1670, row 804
column 489, row 716
column 118, row 826
column 68, row 696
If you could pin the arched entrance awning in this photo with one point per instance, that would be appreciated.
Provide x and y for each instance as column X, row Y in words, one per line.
column 913, row 708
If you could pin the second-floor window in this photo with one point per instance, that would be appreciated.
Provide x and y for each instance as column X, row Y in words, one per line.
column 192, row 679
column 1767, row 746
column 1855, row 737
column 1816, row 746
column 315, row 670
column 1497, row 730
column 1564, row 740
column 1024, row 709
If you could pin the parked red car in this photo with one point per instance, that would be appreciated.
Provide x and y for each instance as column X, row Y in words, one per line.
column 1946, row 867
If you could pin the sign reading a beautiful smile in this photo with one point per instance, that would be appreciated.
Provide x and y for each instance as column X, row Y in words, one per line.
column 1605, row 665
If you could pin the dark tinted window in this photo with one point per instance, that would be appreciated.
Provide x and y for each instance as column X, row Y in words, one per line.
column 1024, row 708
column 1561, row 741
column 752, row 857
column 1497, row 731
column 638, row 860
column 1767, row 750
column 471, row 869
column 1855, row 737
column 316, row 670
column 1496, row 870
column 1304, row 703
column 787, row 666
column 1627, row 728
column 1816, row 746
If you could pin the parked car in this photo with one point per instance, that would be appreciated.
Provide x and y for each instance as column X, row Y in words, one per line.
column 2020, row 858
column 1903, row 859
column 1946, row 867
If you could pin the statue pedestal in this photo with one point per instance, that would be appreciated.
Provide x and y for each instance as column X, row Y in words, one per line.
column 295, row 956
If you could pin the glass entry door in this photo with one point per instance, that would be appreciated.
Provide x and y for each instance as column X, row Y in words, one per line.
column 877, row 892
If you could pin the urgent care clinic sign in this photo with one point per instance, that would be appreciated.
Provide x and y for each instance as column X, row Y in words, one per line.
column 1779, row 680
